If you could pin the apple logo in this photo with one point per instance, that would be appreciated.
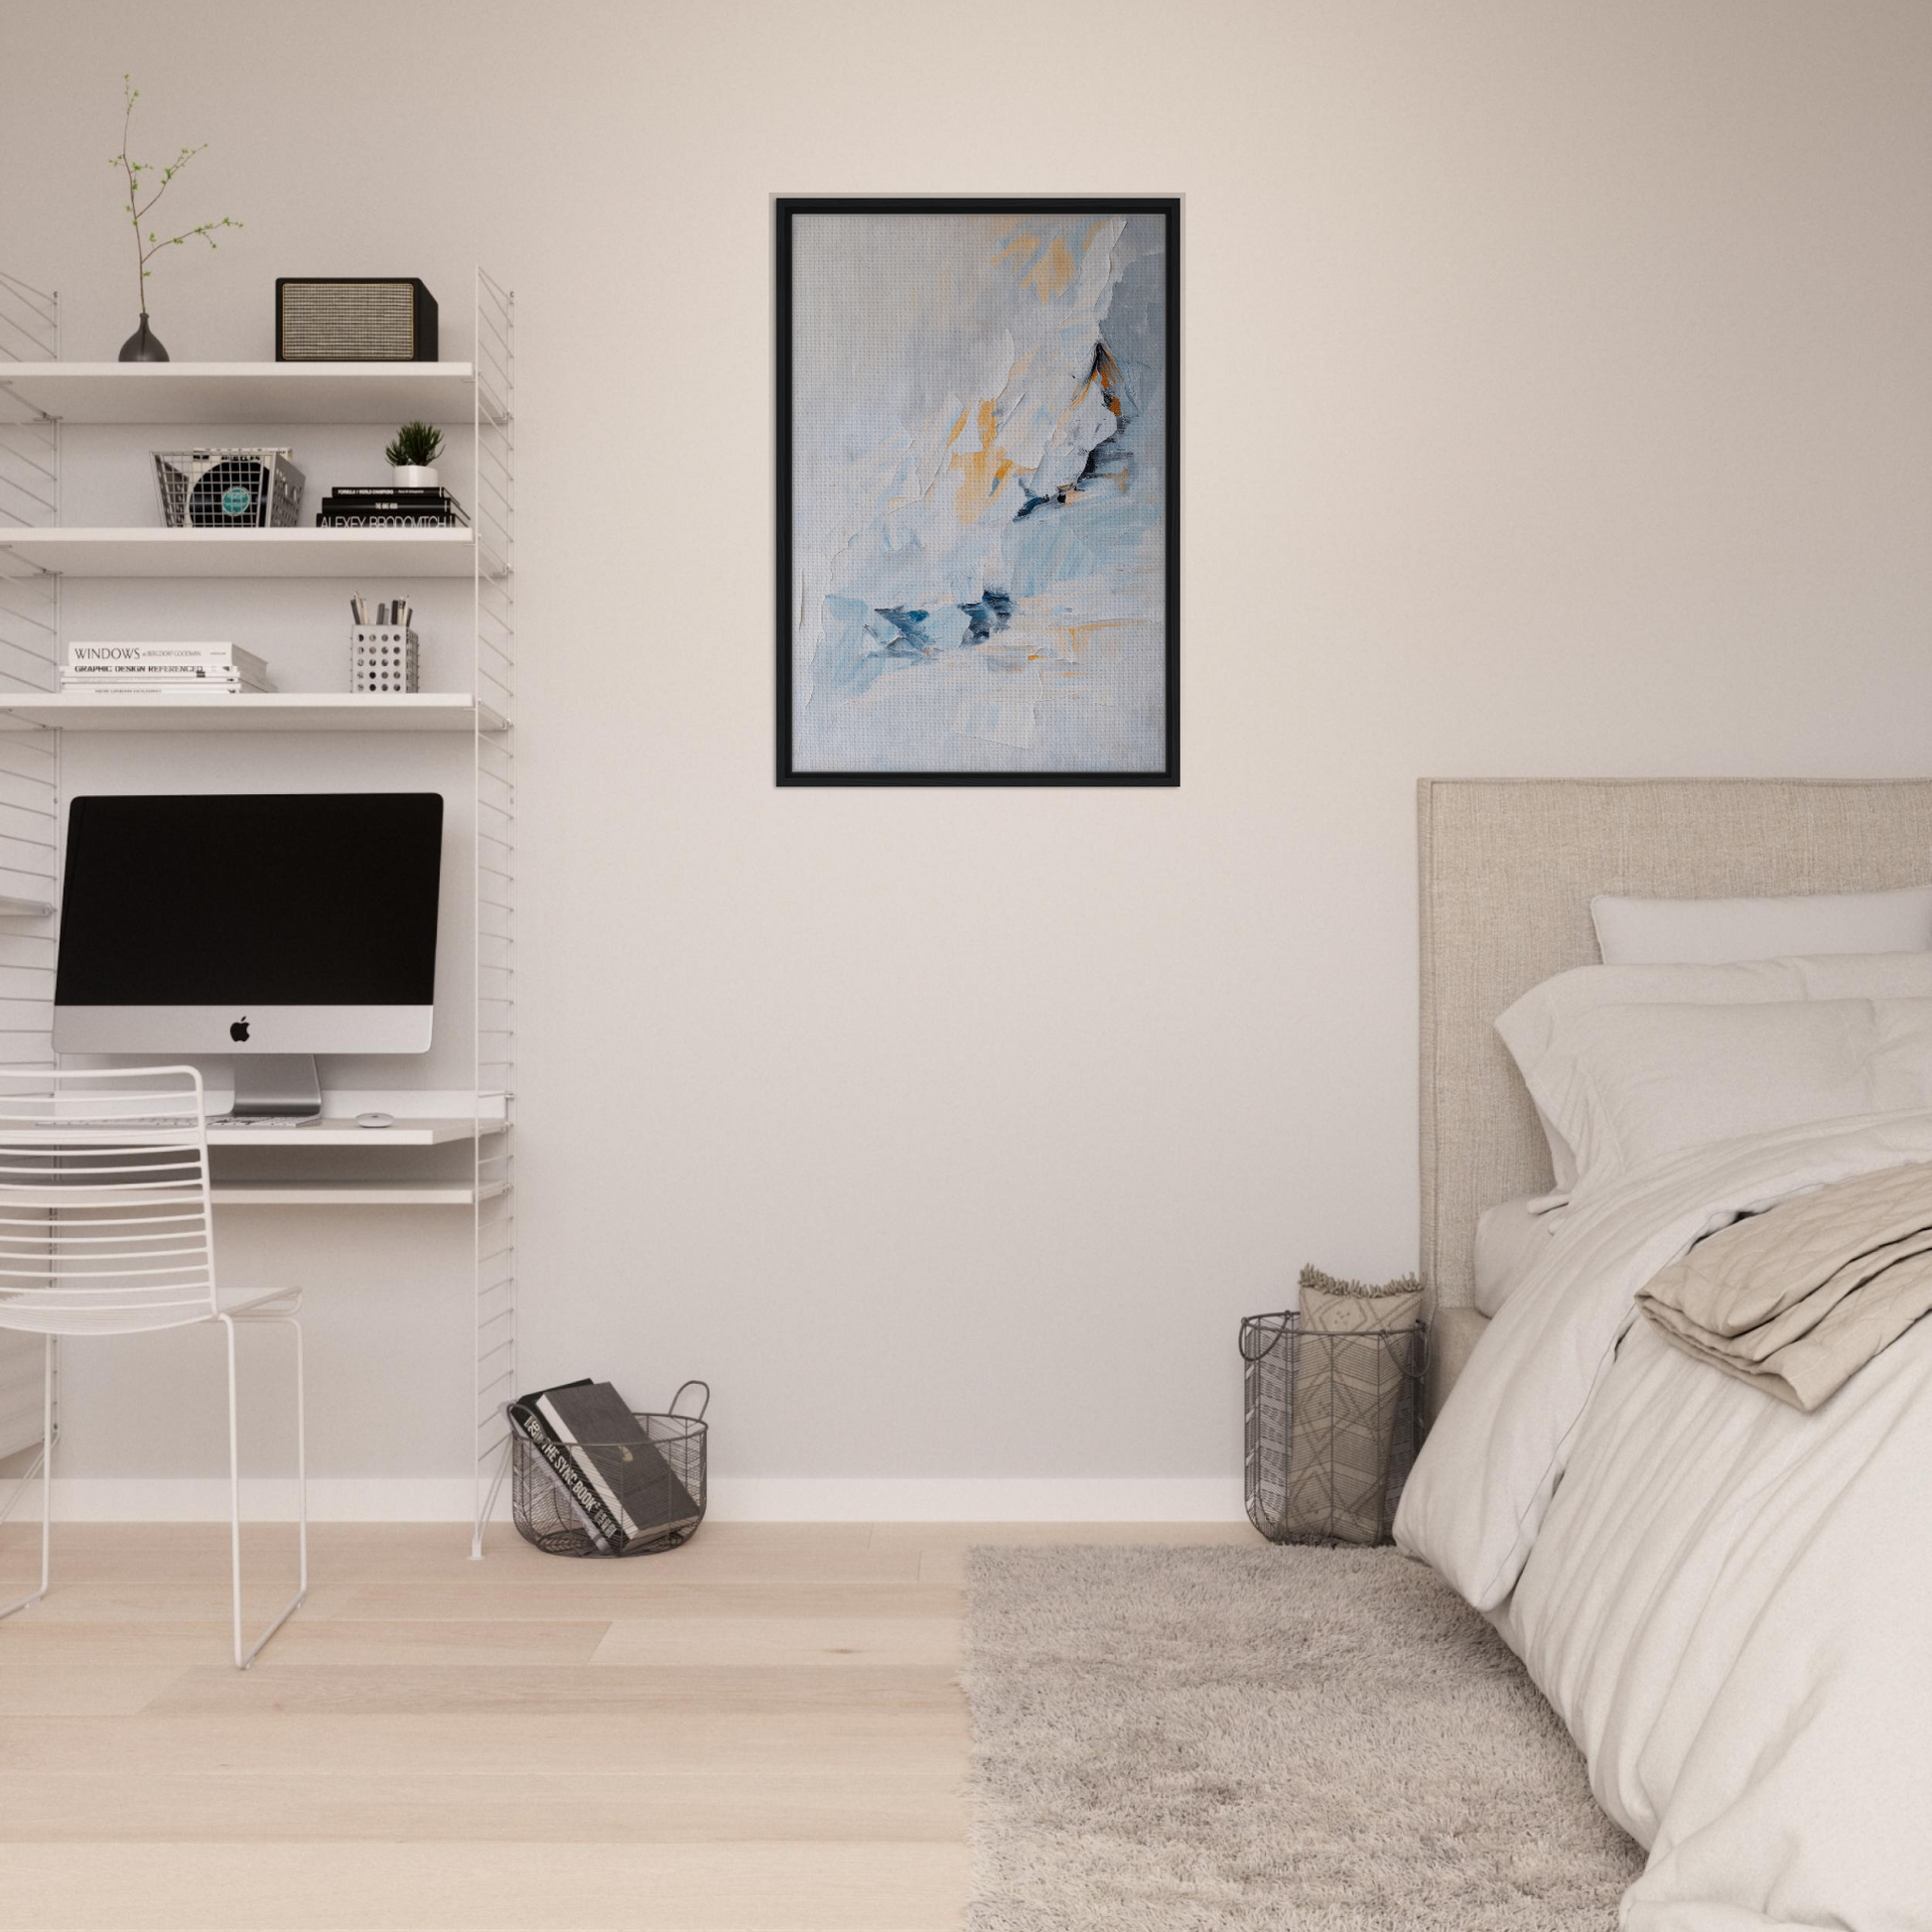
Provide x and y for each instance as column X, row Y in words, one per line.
column 240, row 1030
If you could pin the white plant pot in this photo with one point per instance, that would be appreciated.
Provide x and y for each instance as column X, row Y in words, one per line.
column 413, row 475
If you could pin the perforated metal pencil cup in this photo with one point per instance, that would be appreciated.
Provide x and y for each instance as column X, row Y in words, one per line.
column 382, row 657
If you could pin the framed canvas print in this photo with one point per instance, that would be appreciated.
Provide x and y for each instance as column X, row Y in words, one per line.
column 979, row 533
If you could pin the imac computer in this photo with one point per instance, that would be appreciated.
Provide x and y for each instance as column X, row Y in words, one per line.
column 267, row 926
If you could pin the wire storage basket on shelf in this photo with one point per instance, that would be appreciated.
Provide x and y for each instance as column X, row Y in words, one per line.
column 229, row 489
column 655, row 1491
column 1332, row 1426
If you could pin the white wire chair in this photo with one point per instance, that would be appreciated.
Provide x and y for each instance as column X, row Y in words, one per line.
column 106, row 1229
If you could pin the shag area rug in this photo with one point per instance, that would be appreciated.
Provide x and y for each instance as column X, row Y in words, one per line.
column 1301, row 1739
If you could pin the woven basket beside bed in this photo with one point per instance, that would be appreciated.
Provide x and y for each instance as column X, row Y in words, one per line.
column 1334, row 1410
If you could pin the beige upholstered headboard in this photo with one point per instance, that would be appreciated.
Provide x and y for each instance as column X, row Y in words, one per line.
column 1507, row 870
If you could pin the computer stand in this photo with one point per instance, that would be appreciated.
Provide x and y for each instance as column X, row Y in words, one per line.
column 276, row 1086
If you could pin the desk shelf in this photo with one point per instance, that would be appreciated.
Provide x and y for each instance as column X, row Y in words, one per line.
column 253, row 711
column 350, row 1193
column 438, row 1132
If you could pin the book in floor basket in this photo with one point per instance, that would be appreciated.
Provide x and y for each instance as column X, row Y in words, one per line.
column 600, row 1525
column 616, row 1478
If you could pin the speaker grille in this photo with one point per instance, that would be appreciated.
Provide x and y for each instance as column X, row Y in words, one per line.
column 348, row 322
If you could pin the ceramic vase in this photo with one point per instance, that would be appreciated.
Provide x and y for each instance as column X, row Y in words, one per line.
column 144, row 345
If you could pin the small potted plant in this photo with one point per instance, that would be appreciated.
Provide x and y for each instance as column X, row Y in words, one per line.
column 412, row 456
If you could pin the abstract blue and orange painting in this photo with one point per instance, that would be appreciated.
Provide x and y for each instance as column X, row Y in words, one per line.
column 977, row 533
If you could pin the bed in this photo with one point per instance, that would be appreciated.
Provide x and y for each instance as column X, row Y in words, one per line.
column 1727, row 1601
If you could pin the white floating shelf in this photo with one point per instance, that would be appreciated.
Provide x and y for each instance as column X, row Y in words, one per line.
column 390, row 554
column 348, row 1193
column 345, row 1132
column 243, row 392
column 256, row 710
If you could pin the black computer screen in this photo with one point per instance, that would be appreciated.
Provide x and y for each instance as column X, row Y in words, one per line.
column 251, row 898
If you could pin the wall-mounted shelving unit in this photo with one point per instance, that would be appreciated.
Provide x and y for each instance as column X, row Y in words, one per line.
column 39, row 394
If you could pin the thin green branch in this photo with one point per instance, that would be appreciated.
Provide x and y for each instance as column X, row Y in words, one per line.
column 147, row 245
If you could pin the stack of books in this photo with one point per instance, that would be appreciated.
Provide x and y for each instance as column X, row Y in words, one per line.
column 617, row 1481
column 381, row 506
column 201, row 669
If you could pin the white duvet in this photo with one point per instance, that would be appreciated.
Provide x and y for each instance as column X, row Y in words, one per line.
column 1728, row 1602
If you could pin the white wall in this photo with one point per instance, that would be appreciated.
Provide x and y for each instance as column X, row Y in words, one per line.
column 1557, row 400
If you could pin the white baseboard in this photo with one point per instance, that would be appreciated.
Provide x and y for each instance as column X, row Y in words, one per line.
column 977, row 1499
column 734, row 1499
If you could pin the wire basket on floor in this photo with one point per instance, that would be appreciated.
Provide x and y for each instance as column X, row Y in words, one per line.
column 662, row 1514
column 1333, row 1424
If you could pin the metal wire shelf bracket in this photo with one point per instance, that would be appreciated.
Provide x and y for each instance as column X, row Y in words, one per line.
column 29, row 799
column 494, row 883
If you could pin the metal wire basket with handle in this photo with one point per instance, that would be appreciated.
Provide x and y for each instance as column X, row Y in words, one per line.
column 228, row 489
column 634, row 1499
column 1332, row 1426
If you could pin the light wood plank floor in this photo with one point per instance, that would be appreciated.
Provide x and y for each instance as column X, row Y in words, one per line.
column 759, row 1732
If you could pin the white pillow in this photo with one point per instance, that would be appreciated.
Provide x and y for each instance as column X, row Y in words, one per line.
column 1627, row 1083
column 1530, row 1028
column 1714, row 931
column 1511, row 1239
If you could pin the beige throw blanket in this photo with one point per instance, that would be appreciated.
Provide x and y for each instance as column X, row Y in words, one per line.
column 1798, row 1300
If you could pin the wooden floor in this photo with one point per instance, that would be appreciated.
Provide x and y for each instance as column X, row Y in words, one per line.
column 759, row 1732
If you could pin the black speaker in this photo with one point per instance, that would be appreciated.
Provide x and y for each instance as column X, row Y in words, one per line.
column 353, row 319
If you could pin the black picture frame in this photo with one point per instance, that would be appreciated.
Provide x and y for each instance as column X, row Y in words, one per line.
column 788, row 209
